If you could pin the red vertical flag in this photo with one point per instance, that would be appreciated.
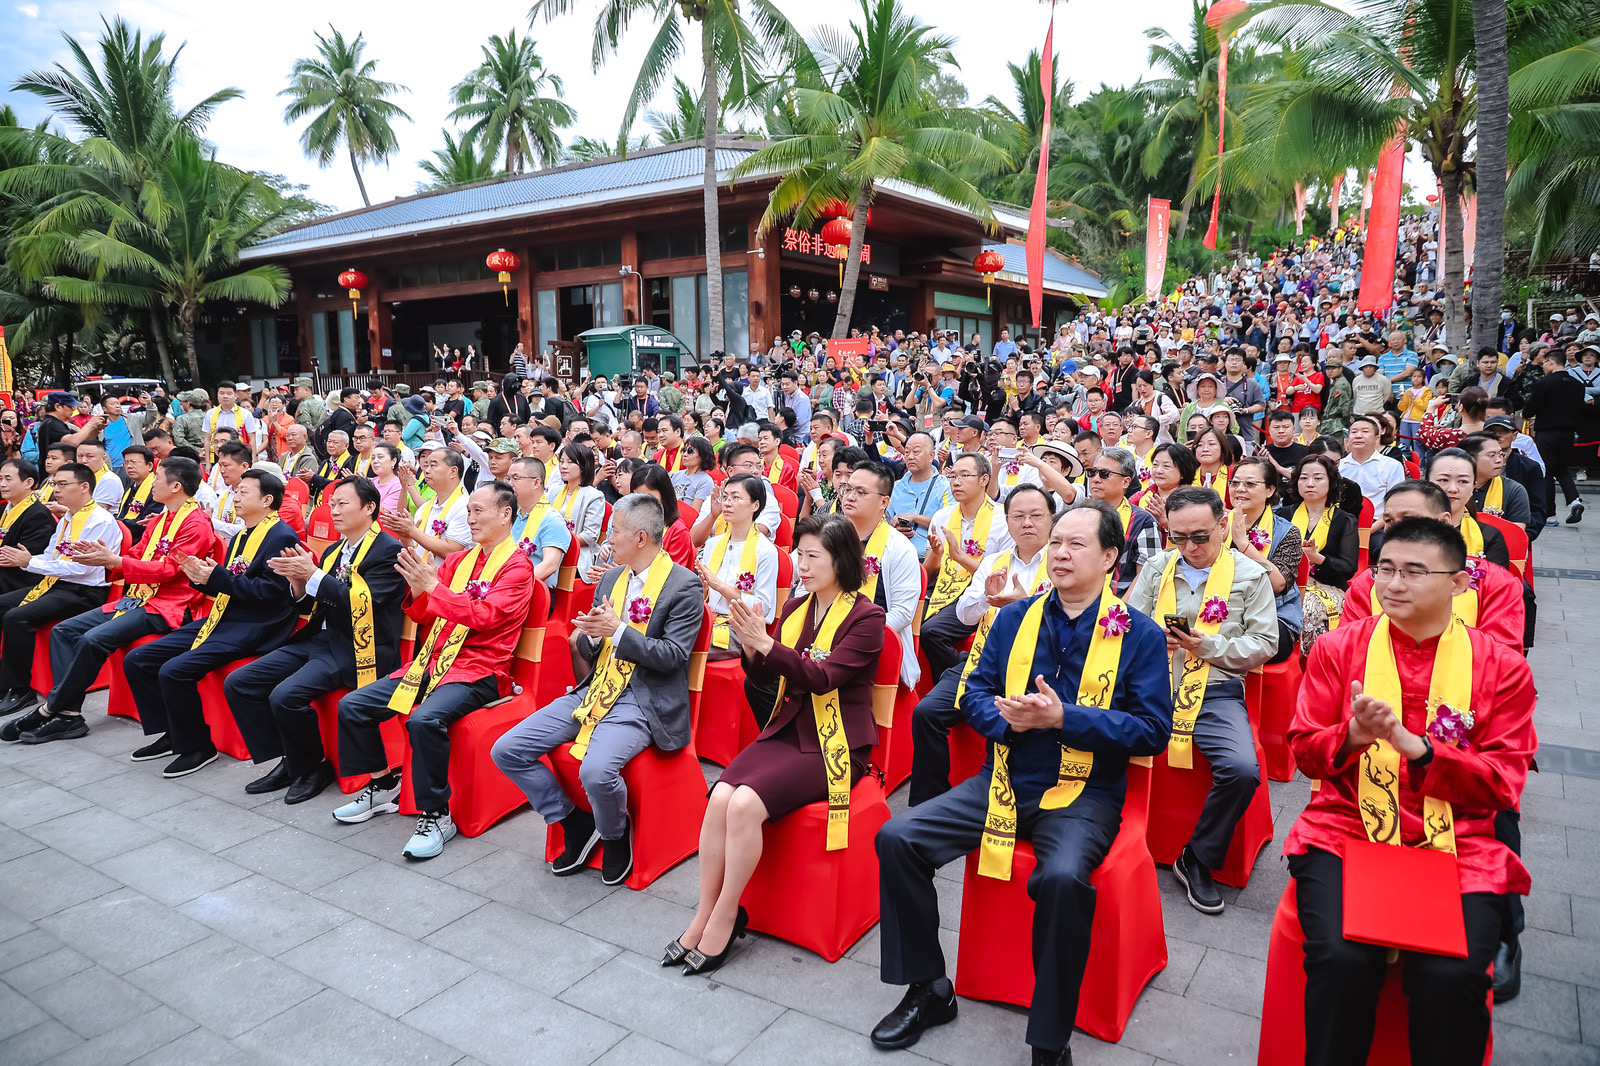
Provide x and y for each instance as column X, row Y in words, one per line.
column 1041, row 182
column 1155, row 246
column 1333, row 203
column 1222, row 114
column 1383, row 227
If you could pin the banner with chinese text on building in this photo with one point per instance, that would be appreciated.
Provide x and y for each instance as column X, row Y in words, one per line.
column 1155, row 247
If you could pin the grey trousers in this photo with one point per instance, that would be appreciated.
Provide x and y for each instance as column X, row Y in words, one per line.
column 619, row 736
column 1222, row 733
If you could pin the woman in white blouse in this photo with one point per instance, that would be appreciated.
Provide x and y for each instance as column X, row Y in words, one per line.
column 579, row 504
column 725, row 558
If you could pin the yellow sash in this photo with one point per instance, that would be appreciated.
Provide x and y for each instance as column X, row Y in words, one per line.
column 1318, row 534
column 225, row 508
column 566, row 502
column 1189, row 684
column 1001, row 563
column 776, row 469
column 874, row 553
column 1378, row 785
column 611, row 674
column 825, row 709
column 166, row 526
column 74, row 533
column 425, row 512
column 46, row 494
column 677, row 460
column 138, row 495
column 14, row 511
column 1472, row 533
column 1217, row 484
column 1095, row 685
column 404, row 700
column 249, row 545
column 364, row 466
column 1494, row 497
column 101, row 474
column 953, row 577
column 747, row 566
column 360, row 608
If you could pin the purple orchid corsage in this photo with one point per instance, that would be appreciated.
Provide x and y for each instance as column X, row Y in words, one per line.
column 1117, row 620
column 1013, row 467
column 163, row 546
column 571, row 528
column 238, row 566
column 134, row 508
column 342, row 574
column 1043, row 586
column 872, row 566
column 971, row 547
column 1450, row 725
column 1214, row 610
column 1259, row 538
column 478, row 589
column 64, row 550
column 1476, row 572
column 527, row 547
column 438, row 527
column 639, row 609
column 746, row 583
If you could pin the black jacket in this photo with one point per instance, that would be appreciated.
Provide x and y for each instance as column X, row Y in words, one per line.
column 1557, row 402
column 260, row 613
column 32, row 531
column 331, row 604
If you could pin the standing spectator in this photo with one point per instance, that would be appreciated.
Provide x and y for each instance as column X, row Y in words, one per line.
column 1372, row 471
column 1556, row 404
column 1396, row 361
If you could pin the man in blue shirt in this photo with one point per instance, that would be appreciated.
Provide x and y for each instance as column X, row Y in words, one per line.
column 118, row 433
column 1069, row 840
column 1003, row 347
column 1396, row 361
column 540, row 532
column 919, row 494
column 796, row 400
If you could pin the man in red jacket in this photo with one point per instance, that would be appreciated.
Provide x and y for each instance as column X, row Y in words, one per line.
column 158, row 596
column 469, row 614
column 1421, row 730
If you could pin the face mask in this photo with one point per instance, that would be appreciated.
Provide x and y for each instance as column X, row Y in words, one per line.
column 1505, row 316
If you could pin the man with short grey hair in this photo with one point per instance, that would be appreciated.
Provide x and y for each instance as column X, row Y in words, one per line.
column 642, row 628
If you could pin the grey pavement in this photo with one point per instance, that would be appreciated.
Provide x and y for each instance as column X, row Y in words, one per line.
column 153, row 921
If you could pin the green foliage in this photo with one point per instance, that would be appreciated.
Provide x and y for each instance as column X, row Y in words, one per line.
column 459, row 162
column 503, row 100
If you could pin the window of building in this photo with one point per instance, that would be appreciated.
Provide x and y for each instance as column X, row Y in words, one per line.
column 691, row 313
column 580, row 255
column 966, row 326
column 691, row 241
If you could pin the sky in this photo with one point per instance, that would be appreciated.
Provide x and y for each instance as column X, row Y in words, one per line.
column 429, row 48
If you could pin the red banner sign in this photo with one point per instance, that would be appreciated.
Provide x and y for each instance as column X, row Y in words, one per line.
column 1034, row 254
column 841, row 349
column 811, row 244
column 1383, row 227
column 1155, row 246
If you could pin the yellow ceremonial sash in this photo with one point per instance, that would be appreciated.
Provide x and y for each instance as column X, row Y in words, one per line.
column 1217, row 484
column 138, row 495
column 14, row 511
column 1189, row 683
column 225, row 508
column 425, row 512
column 404, row 700
column 46, row 494
column 1494, row 497
column 364, row 466
column 747, row 566
column 566, row 502
column 101, row 474
column 874, row 554
column 677, row 460
column 1318, row 534
column 611, row 674
column 244, row 551
column 1001, row 563
column 825, row 709
column 530, row 529
column 360, row 608
column 775, row 469
column 1378, row 784
column 161, row 533
column 1472, row 533
column 1095, row 685
column 953, row 577
column 80, row 517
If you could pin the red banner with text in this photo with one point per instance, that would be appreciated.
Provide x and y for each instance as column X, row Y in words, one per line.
column 1155, row 246
column 1383, row 227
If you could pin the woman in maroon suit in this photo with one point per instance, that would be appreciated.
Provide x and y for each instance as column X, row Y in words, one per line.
column 783, row 770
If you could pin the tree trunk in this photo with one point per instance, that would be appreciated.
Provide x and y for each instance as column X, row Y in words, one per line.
column 1455, row 314
column 61, row 380
column 1187, row 201
column 1494, row 106
column 852, row 266
column 359, row 183
column 713, row 214
column 186, row 314
column 158, row 334
column 65, row 379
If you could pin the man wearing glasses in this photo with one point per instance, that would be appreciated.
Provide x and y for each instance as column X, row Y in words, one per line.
column 892, row 578
column 541, row 533
column 1221, row 622
column 1006, row 459
column 1112, row 475
column 960, row 537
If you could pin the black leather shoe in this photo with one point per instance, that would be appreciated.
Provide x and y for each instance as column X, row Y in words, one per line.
column 1041, row 1057
column 64, row 727
column 581, row 840
column 311, row 785
column 12, row 731
column 189, row 762
column 1197, row 882
column 1507, row 971
column 697, row 963
column 159, row 748
column 616, row 858
column 16, row 701
column 924, row 1005
column 276, row 778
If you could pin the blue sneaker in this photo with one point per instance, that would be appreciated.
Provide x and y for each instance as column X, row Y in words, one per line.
column 370, row 802
column 433, row 830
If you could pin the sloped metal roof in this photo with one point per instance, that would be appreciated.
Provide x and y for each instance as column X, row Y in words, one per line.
column 1059, row 274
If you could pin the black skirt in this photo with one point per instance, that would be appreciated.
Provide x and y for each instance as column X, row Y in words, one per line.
column 785, row 777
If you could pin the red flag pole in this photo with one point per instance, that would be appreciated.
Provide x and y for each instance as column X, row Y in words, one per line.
column 1035, row 248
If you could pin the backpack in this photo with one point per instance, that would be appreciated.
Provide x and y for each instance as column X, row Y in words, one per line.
column 30, row 445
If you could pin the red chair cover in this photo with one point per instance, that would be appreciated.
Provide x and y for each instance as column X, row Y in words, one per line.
column 1283, row 1010
column 1127, row 941
column 225, row 735
column 784, row 538
column 392, row 731
column 968, row 753
column 788, row 500
column 727, row 725
column 1364, row 533
column 41, row 679
column 819, row 899
column 1516, row 545
column 1271, row 693
column 893, row 751
column 119, row 699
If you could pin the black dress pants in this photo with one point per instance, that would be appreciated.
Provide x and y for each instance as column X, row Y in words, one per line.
column 20, row 622
column 1557, row 450
column 1069, row 843
column 1446, row 998
column 271, row 702
column 935, row 715
column 939, row 637
column 80, row 646
column 164, row 678
column 428, row 727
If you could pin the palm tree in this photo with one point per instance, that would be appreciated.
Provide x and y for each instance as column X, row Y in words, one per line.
column 350, row 105
column 1021, row 129
column 503, row 100
column 732, row 49
column 869, row 118
column 1489, row 165
column 587, row 149
column 457, row 163
column 685, row 122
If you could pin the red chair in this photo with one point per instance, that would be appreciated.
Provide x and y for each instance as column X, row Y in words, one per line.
column 727, row 725
column 1271, row 692
column 225, row 735
column 893, row 710
column 666, row 799
column 319, row 529
column 1127, row 941
column 819, row 899
column 40, row 678
column 119, row 698
column 571, row 598
column 1364, row 533
column 1517, row 546
column 297, row 495
column 784, row 537
column 392, row 731
column 968, row 753
column 789, row 454
column 1176, row 797
column 480, row 795
column 788, row 501
column 1283, row 1011
column 687, row 512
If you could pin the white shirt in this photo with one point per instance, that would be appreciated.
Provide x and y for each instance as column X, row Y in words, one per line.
column 974, row 603
column 765, row 595
column 101, row 526
column 223, row 520
column 239, row 420
column 760, row 400
column 1376, row 477
column 902, row 589
column 455, row 525
column 1026, row 475
column 108, row 490
column 999, row 533
column 347, row 552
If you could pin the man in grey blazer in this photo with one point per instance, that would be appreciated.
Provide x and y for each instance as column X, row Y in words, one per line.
column 651, row 708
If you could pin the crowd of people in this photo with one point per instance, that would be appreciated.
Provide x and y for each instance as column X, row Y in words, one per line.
column 1091, row 543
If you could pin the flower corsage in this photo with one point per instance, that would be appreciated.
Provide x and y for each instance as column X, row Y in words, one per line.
column 1214, row 611
column 1117, row 620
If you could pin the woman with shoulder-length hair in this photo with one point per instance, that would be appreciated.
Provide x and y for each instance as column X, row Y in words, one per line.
column 829, row 643
column 578, row 502
column 1269, row 540
column 1329, row 541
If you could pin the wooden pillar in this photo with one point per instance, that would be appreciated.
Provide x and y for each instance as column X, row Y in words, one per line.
column 303, row 294
column 766, row 291
column 922, row 309
column 632, row 305
column 380, row 330
column 523, row 279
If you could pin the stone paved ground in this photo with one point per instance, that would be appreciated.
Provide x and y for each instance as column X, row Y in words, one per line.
column 185, row 922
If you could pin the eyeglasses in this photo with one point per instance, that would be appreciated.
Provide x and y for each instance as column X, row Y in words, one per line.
column 962, row 477
column 1180, row 539
column 1248, row 484
column 1384, row 573
column 1098, row 473
column 852, row 491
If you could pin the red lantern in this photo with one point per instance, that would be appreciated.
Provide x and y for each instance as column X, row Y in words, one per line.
column 504, row 263
column 794, row 292
column 355, row 281
column 988, row 263
column 836, row 235
column 840, row 209
column 1433, row 198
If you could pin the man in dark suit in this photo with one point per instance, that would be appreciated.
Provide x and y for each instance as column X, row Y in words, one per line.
column 341, row 461
column 138, row 506
column 25, row 523
column 637, row 638
column 252, row 610
column 271, row 698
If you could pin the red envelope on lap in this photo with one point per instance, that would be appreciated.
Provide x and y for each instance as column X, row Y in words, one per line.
column 1406, row 898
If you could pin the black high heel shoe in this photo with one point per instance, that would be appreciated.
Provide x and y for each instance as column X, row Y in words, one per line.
column 675, row 953
column 697, row 963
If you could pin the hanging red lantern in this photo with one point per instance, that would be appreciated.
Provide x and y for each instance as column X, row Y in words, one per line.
column 504, row 263
column 988, row 263
column 836, row 235
column 813, row 294
column 355, row 281
column 840, row 209
column 833, row 297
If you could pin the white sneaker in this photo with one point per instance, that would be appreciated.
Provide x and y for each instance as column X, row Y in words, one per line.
column 1575, row 512
column 433, row 831
column 369, row 803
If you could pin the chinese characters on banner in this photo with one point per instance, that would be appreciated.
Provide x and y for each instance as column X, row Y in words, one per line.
column 811, row 244
column 1155, row 247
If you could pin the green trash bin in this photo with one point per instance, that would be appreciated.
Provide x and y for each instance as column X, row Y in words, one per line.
column 622, row 351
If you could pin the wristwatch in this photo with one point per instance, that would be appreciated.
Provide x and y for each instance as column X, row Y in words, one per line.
column 1426, row 757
